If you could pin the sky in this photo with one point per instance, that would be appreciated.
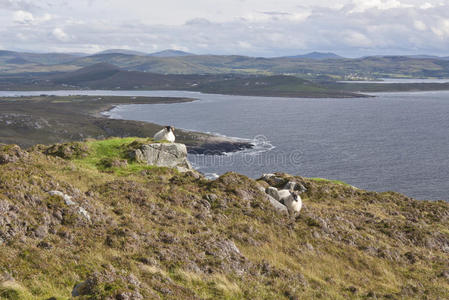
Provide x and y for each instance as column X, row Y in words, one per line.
column 267, row 28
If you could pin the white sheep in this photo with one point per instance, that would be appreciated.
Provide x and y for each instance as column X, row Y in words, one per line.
column 291, row 200
column 167, row 134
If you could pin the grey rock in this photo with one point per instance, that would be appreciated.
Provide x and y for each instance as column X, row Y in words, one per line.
column 212, row 197
column 44, row 245
column 67, row 199
column 267, row 176
column 260, row 188
column 77, row 289
column 272, row 179
column 445, row 274
column 273, row 192
column 41, row 231
column 129, row 296
column 11, row 154
column 172, row 155
column 294, row 186
column 84, row 213
column 276, row 204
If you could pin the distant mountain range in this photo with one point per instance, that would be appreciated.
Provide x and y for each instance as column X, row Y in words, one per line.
column 121, row 51
column 315, row 65
column 429, row 56
column 170, row 53
column 318, row 55
column 164, row 53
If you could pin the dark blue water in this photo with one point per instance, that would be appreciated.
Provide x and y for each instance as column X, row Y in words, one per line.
column 395, row 141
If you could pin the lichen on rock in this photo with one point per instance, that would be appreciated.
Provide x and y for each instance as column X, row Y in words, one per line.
column 173, row 155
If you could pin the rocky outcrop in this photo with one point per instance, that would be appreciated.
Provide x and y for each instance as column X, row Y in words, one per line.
column 172, row 155
column 287, row 198
column 11, row 154
column 155, row 233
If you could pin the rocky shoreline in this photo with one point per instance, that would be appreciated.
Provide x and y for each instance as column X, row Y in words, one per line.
column 44, row 119
column 201, row 143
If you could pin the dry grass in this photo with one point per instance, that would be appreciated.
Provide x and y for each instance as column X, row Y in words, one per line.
column 163, row 229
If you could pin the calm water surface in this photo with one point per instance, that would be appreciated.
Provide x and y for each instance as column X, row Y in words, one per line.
column 395, row 141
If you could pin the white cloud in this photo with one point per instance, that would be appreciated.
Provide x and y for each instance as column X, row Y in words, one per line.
column 59, row 34
column 244, row 45
column 250, row 27
column 357, row 39
column 427, row 5
column 442, row 28
column 27, row 5
column 178, row 47
column 23, row 17
column 46, row 17
column 364, row 5
column 276, row 16
column 420, row 25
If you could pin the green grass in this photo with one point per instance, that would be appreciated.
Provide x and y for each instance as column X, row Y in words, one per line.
column 318, row 179
column 13, row 291
column 160, row 227
column 103, row 151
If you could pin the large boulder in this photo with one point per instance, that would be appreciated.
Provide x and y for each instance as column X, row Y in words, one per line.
column 172, row 155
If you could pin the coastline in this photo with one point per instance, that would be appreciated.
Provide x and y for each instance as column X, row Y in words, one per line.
column 31, row 120
column 198, row 143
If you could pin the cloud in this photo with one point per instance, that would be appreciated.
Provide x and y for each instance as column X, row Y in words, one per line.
column 23, row 17
column 26, row 5
column 357, row 39
column 420, row 25
column 250, row 27
column 59, row 34
column 244, row 45
column 276, row 16
column 364, row 5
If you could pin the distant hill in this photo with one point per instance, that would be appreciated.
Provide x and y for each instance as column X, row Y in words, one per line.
column 107, row 76
column 170, row 53
column 88, row 74
column 423, row 56
column 17, row 61
column 310, row 66
column 318, row 55
column 20, row 58
column 122, row 51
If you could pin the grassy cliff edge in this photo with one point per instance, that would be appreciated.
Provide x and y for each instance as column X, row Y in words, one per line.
column 118, row 229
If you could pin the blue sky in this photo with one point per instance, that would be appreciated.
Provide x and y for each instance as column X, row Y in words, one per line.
column 249, row 27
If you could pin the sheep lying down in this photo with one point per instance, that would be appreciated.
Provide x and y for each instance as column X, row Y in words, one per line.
column 290, row 199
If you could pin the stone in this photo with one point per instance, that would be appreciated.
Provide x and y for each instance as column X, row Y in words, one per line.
column 445, row 274
column 67, row 199
column 272, row 179
column 84, row 213
column 172, row 155
column 276, row 204
column 41, row 231
column 45, row 245
column 11, row 154
column 294, row 186
column 273, row 192
column 267, row 176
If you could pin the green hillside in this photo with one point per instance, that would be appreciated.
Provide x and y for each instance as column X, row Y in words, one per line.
column 132, row 231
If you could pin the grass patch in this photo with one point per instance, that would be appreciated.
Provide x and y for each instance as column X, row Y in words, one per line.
column 111, row 156
column 324, row 180
column 13, row 291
